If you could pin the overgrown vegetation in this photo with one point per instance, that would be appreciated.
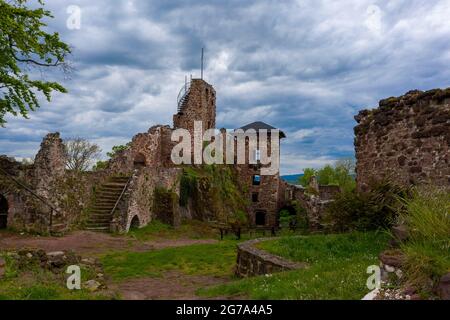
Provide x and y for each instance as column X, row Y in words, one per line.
column 338, row 265
column 371, row 210
column 427, row 251
column 341, row 174
column 297, row 220
column 164, row 201
column 189, row 229
column 103, row 164
column 215, row 192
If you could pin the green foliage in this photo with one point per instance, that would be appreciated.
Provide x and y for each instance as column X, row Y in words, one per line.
column 286, row 218
column 164, row 201
column 238, row 218
column 308, row 173
column 32, row 282
column 24, row 43
column 214, row 188
column 189, row 229
column 375, row 209
column 427, row 251
column 116, row 149
column 339, row 175
column 337, row 268
column 101, row 165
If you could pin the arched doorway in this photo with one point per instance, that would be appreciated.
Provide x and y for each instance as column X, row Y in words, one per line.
column 139, row 161
column 3, row 212
column 260, row 218
column 135, row 223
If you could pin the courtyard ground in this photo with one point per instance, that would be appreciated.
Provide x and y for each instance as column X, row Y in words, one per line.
column 159, row 262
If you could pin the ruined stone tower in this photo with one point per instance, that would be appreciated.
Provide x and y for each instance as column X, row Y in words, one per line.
column 196, row 102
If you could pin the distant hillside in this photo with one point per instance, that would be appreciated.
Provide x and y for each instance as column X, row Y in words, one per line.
column 292, row 178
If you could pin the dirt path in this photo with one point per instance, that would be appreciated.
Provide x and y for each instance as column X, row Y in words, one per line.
column 172, row 286
column 86, row 242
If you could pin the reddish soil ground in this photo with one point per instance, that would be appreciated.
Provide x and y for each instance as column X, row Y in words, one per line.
column 86, row 242
column 172, row 285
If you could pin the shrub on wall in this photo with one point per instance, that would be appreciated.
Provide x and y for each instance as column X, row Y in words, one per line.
column 375, row 209
column 214, row 191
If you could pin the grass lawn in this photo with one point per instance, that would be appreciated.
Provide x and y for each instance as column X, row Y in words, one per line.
column 337, row 269
column 202, row 259
column 188, row 229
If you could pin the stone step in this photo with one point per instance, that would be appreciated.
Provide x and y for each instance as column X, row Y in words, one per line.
column 100, row 229
column 119, row 179
column 100, row 211
column 106, row 202
column 96, row 221
column 114, row 184
column 102, row 216
column 103, row 206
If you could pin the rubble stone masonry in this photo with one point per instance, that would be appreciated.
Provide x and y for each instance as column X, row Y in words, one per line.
column 407, row 137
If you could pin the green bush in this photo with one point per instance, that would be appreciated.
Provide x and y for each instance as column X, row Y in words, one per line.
column 286, row 218
column 427, row 251
column 375, row 209
column 338, row 175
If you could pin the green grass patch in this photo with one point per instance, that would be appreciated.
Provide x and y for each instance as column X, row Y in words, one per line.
column 338, row 265
column 35, row 283
column 427, row 251
column 202, row 259
column 190, row 229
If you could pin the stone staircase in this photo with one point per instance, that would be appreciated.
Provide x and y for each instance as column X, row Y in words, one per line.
column 107, row 196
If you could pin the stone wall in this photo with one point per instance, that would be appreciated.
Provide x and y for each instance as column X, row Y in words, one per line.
column 252, row 261
column 49, row 164
column 314, row 204
column 139, row 197
column 407, row 137
column 200, row 106
column 149, row 149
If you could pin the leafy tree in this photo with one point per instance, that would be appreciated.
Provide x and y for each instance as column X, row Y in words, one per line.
column 100, row 165
column 80, row 153
column 117, row 149
column 308, row 173
column 23, row 45
column 341, row 174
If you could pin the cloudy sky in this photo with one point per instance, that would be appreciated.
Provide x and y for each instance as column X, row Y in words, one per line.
column 305, row 66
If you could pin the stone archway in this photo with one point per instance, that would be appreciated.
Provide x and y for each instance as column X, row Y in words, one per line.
column 135, row 223
column 3, row 212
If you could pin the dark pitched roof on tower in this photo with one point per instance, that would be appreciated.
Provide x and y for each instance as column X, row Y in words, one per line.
column 258, row 125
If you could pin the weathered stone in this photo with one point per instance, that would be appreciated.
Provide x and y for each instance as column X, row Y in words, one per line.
column 393, row 258
column 252, row 261
column 406, row 123
column 92, row 285
column 443, row 287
